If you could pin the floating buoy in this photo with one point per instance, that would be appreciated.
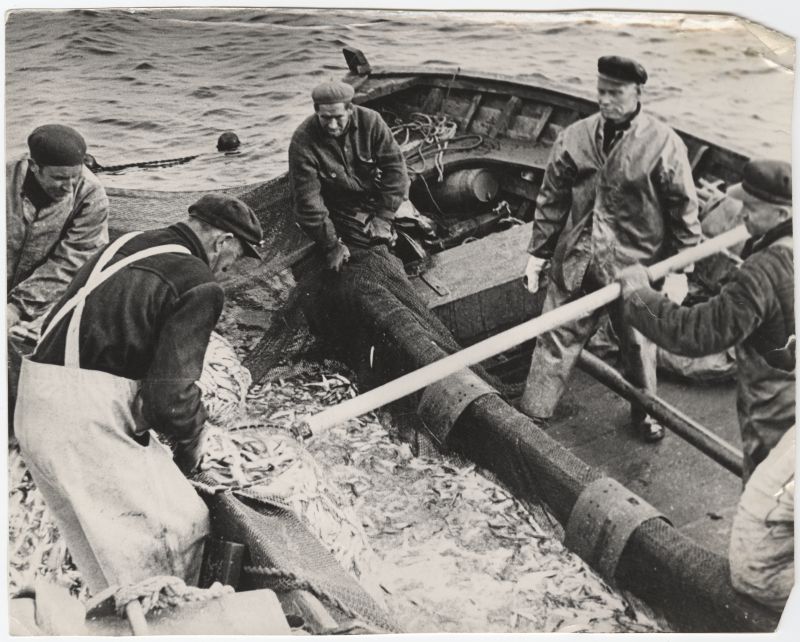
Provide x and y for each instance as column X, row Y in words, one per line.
column 228, row 142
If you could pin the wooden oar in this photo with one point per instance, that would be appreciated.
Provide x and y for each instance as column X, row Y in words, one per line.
column 492, row 346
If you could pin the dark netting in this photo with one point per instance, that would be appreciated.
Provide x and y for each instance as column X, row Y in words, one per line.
column 360, row 310
column 284, row 242
column 283, row 555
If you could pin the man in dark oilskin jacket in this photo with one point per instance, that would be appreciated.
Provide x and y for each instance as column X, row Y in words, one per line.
column 119, row 356
column 753, row 312
column 348, row 176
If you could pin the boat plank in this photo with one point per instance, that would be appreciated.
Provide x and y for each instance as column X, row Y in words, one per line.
column 543, row 120
column 508, row 113
column 473, row 107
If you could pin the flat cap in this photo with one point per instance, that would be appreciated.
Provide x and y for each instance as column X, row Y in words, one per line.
column 56, row 145
column 621, row 69
column 229, row 214
column 768, row 180
column 333, row 91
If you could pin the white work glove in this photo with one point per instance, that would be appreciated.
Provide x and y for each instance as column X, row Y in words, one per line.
column 676, row 287
column 533, row 273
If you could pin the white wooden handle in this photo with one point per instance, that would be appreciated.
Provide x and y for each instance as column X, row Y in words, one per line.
column 492, row 346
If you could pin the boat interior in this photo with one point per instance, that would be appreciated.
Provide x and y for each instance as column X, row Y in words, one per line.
column 476, row 150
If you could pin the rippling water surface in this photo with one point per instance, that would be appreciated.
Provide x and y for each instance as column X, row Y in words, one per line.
column 159, row 84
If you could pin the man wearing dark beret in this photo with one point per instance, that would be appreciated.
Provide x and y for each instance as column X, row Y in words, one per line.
column 617, row 190
column 348, row 176
column 56, row 218
column 120, row 355
column 753, row 312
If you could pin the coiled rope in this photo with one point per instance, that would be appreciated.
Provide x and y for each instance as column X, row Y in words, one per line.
column 426, row 136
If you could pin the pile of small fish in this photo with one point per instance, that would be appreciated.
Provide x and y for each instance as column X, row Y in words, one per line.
column 280, row 466
column 460, row 553
column 455, row 551
column 35, row 547
column 224, row 382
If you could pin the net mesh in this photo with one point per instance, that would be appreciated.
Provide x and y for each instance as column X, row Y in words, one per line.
column 283, row 555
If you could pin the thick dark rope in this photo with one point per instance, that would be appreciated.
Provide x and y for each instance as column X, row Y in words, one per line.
column 301, row 584
column 169, row 162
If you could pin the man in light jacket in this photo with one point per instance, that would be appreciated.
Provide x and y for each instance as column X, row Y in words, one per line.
column 617, row 190
column 56, row 218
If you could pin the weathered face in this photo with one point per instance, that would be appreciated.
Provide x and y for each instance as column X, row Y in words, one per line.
column 759, row 216
column 334, row 117
column 57, row 181
column 227, row 250
column 616, row 100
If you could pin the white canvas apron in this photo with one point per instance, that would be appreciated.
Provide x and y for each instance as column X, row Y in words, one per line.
column 124, row 509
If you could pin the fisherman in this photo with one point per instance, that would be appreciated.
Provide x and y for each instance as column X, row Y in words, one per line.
column 618, row 189
column 56, row 218
column 754, row 312
column 348, row 176
column 761, row 551
column 119, row 356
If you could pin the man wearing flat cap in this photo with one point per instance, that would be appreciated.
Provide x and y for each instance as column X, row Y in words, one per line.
column 617, row 190
column 119, row 356
column 754, row 312
column 348, row 176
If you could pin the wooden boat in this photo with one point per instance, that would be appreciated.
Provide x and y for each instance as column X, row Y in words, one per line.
column 505, row 128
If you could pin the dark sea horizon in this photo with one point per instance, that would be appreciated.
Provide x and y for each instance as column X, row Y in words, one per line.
column 154, row 84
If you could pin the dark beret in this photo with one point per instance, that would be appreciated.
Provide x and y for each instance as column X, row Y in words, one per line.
column 56, row 145
column 768, row 180
column 621, row 69
column 333, row 91
column 229, row 214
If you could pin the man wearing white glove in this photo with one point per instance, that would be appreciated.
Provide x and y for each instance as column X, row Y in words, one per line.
column 533, row 273
column 617, row 190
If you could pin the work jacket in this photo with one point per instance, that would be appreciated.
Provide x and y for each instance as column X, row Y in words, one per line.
column 755, row 312
column 637, row 204
column 361, row 172
column 150, row 322
column 47, row 241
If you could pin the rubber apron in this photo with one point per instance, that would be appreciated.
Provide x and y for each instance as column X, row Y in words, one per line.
column 124, row 508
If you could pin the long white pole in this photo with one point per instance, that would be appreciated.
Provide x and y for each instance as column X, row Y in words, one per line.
column 506, row 340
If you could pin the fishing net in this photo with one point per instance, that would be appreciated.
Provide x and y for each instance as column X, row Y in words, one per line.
column 283, row 555
column 284, row 242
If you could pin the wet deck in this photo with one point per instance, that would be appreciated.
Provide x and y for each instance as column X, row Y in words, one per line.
column 698, row 495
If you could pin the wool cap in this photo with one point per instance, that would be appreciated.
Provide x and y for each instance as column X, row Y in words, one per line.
column 229, row 214
column 331, row 92
column 766, row 180
column 621, row 69
column 56, row 145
